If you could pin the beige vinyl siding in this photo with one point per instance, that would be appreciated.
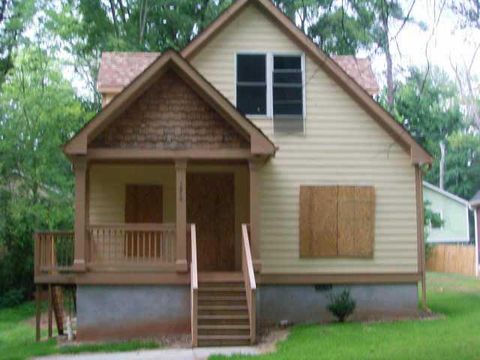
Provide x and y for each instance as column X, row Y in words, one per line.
column 107, row 189
column 342, row 145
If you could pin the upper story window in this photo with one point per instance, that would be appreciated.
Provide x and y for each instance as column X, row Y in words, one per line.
column 252, row 84
column 272, row 85
column 287, row 94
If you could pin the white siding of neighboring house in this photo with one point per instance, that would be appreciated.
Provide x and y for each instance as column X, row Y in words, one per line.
column 455, row 226
column 341, row 145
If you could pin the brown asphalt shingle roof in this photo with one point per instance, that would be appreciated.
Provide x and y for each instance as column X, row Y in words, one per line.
column 118, row 69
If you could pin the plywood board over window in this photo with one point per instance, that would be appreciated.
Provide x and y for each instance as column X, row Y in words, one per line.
column 337, row 221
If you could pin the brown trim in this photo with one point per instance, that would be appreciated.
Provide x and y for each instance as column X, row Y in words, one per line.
column 158, row 154
column 170, row 278
column 38, row 312
column 255, row 185
column 181, row 215
column 418, row 154
column 306, row 279
column 80, row 167
column 260, row 144
column 115, row 278
column 420, row 232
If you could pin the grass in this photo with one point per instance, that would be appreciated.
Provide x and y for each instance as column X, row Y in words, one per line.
column 456, row 335
column 17, row 338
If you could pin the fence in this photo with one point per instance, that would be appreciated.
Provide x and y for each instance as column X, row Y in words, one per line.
column 459, row 259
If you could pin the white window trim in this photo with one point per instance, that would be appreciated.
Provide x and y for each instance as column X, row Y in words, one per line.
column 269, row 55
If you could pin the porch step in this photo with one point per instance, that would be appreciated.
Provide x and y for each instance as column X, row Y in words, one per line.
column 228, row 329
column 222, row 307
column 222, row 311
column 223, row 340
column 236, row 289
column 220, row 277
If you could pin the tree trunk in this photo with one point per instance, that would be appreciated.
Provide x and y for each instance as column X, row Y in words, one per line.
column 388, row 57
column 441, row 176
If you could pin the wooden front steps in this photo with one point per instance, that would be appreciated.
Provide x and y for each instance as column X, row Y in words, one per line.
column 222, row 311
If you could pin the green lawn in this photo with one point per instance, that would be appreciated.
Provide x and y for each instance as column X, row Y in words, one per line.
column 17, row 338
column 454, row 336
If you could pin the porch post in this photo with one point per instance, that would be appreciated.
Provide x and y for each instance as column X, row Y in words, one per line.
column 181, row 215
column 80, row 169
column 254, row 166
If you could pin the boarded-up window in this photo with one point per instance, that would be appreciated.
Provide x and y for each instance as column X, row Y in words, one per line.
column 337, row 221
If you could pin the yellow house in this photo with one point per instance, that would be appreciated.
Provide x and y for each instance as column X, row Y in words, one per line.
column 235, row 185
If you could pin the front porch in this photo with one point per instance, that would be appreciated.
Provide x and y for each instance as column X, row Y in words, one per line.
column 183, row 223
column 137, row 217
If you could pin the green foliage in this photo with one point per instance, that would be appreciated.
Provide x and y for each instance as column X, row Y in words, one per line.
column 85, row 28
column 341, row 305
column 38, row 113
column 430, row 218
column 428, row 106
column 17, row 338
column 17, row 15
column 463, row 164
column 12, row 297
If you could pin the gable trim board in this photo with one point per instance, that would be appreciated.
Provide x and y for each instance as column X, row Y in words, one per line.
column 170, row 60
column 417, row 153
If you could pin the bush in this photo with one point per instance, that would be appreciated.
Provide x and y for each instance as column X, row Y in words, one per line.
column 12, row 297
column 341, row 305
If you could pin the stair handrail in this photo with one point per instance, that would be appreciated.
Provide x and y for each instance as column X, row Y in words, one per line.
column 194, row 285
column 249, row 279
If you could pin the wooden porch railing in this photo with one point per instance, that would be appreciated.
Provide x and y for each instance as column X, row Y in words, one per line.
column 250, row 284
column 194, row 285
column 131, row 245
column 53, row 251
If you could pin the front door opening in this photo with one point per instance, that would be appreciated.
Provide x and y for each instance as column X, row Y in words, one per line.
column 211, row 206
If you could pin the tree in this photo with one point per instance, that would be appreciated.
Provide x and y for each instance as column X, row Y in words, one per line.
column 427, row 106
column 15, row 15
column 38, row 113
column 86, row 28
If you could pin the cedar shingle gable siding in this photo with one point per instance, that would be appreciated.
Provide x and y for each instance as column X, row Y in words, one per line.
column 170, row 116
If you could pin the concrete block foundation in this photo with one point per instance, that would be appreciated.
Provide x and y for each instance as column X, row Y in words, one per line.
column 123, row 312
column 117, row 312
column 307, row 303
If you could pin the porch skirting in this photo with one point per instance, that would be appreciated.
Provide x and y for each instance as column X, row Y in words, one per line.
column 296, row 304
column 116, row 312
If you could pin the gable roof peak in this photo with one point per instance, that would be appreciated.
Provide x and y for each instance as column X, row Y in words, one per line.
column 260, row 144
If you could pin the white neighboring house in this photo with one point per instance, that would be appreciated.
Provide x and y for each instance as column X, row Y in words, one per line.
column 453, row 211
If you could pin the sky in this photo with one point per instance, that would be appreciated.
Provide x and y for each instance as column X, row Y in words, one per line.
column 442, row 42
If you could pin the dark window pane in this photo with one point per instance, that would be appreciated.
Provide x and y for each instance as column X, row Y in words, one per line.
column 287, row 93
column 252, row 100
column 293, row 108
column 251, row 68
column 287, row 77
column 287, row 62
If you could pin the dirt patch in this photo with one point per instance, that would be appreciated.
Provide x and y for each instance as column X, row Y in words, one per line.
column 267, row 343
